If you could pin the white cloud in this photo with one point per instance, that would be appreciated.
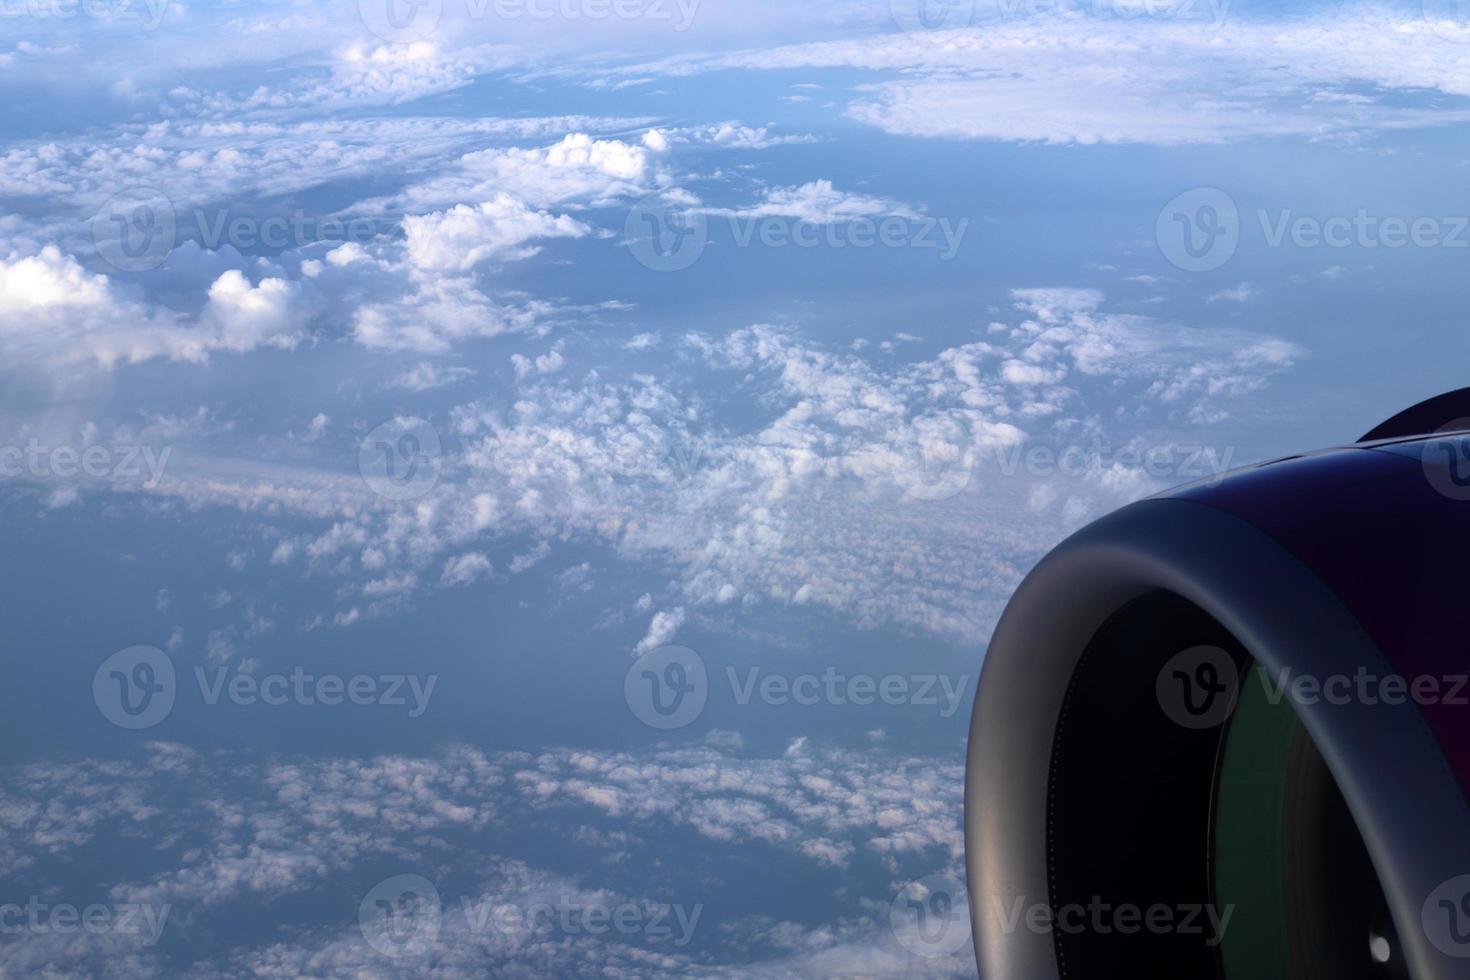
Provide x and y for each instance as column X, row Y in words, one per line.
column 356, row 75
column 661, row 629
column 548, row 363
column 438, row 313
column 318, row 427
column 728, row 135
column 238, row 830
column 245, row 317
column 199, row 162
column 861, row 486
column 426, row 375
column 578, row 168
column 54, row 312
column 466, row 569
column 530, row 559
column 394, row 73
column 347, row 253
column 818, row 202
column 497, row 230
column 1240, row 293
column 1077, row 78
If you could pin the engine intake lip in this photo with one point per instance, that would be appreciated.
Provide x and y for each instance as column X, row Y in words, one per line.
column 1402, row 793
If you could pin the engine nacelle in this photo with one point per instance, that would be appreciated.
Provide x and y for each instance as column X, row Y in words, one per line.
column 1225, row 732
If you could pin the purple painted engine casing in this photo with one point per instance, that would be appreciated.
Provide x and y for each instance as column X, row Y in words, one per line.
column 1338, row 563
column 1384, row 525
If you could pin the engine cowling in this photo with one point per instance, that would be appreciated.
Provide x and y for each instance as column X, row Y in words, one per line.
column 1225, row 731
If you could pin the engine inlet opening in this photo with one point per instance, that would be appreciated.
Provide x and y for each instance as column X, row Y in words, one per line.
column 1210, row 846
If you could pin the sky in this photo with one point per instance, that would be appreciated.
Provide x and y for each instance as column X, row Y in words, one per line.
column 524, row 486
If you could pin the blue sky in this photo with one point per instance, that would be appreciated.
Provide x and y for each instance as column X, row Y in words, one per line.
column 645, row 410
